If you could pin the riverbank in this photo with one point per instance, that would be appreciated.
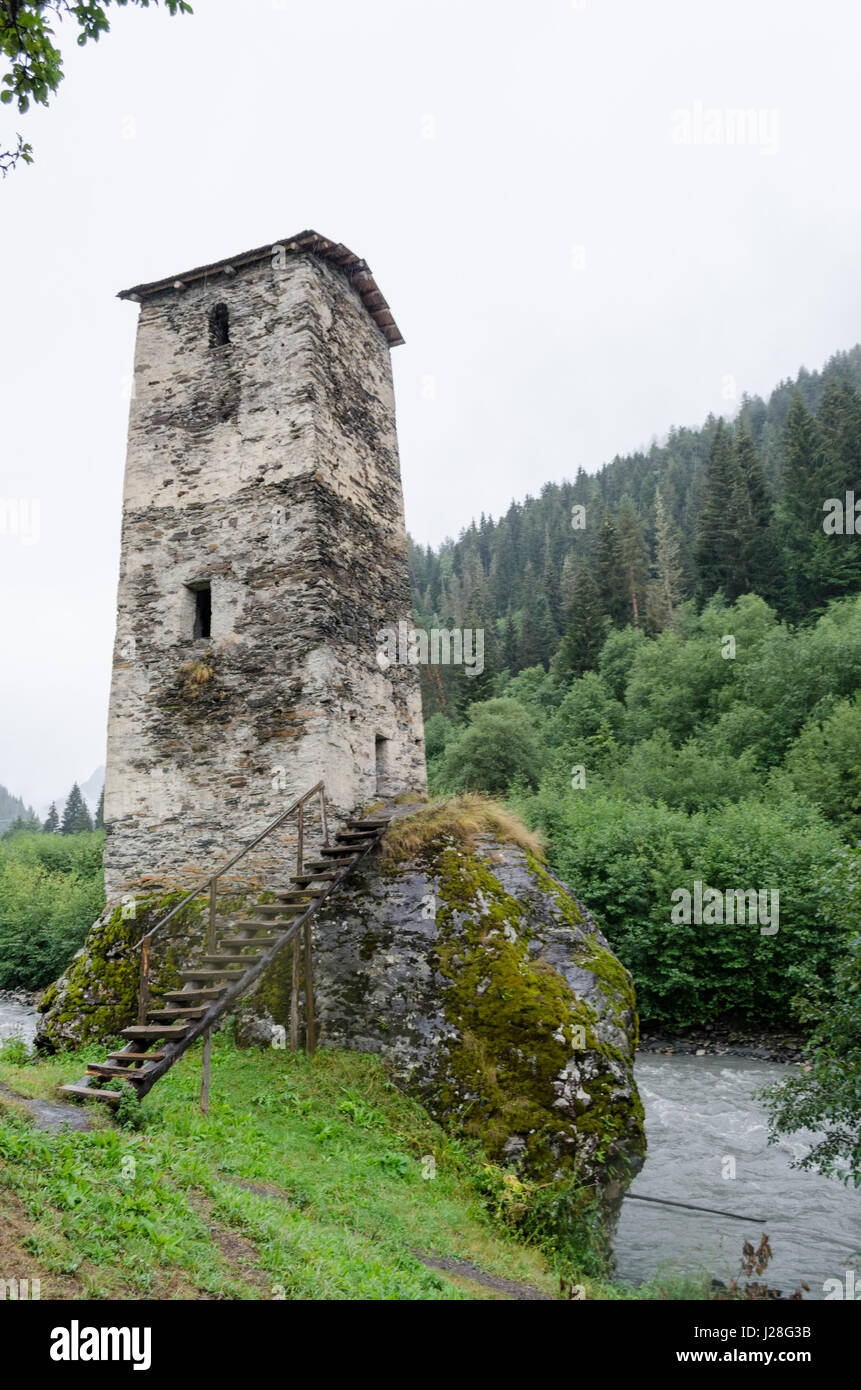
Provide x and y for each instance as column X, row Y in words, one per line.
column 716, row 1041
column 27, row 998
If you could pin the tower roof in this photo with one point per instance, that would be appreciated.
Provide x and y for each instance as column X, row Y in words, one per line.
column 357, row 271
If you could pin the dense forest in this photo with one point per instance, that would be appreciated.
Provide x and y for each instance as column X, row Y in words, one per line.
column 728, row 508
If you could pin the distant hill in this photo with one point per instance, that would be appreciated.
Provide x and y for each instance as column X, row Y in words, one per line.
column 11, row 807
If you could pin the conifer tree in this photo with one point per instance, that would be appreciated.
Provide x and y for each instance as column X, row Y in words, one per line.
column 667, row 589
column 718, row 547
column 99, row 822
column 798, row 519
column 755, row 517
column 635, row 559
column 584, row 635
column 76, row 817
column 610, row 578
column 52, row 820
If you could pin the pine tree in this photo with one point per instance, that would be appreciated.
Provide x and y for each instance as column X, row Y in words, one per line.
column 718, row 547
column 838, row 557
column 798, row 517
column 52, row 820
column 567, row 583
column 609, row 577
column 99, row 822
column 756, row 515
column 530, row 648
column 667, row 589
column 509, row 646
column 76, row 817
column 635, row 559
column 584, row 636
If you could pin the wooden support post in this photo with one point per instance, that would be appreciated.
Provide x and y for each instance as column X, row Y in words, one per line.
column 294, row 998
column 205, row 1072
column 323, row 816
column 213, row 895
column 206, row 1060
column 143, row 993
column 300, row 835
column 310, row 1029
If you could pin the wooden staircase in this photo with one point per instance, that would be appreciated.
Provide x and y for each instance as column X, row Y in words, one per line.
column 234, row 961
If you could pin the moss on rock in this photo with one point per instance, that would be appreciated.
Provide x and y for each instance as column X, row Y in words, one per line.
column 97, row 996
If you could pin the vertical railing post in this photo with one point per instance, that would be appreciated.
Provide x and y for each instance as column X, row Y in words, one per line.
column 310, row 1031
column 300, row 833
column 294, row 997
column 206, row 1060
column 143, row 993
column 213, row 898
column 323, row 815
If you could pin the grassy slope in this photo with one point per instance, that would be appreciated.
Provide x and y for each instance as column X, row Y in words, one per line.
column 305, row 1181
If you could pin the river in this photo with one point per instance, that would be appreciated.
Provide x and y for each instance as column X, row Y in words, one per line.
column 17, row 1020
column 700, row 1114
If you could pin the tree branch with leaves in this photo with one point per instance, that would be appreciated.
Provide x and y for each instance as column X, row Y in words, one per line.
column 35, row 63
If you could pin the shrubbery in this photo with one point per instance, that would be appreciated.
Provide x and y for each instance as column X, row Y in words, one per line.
column 51, row 892
column 676, row 761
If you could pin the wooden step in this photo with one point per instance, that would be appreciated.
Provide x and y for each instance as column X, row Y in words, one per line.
column 368, row 824
column 105, row 1069
column 337, row 852
column 293, row 897
column 175, row 1011
column 206, row 975
column 248, row 940
column 264, row 923
column 136, row 1057
column 355, row 837
column 280, row 909
column 93, row 1093
column 230, row 960
column 187, row 996
column 313, row 877
column 328, row 863
column 154, row 1030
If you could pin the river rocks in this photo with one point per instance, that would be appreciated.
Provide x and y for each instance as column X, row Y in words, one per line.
column 488, row 990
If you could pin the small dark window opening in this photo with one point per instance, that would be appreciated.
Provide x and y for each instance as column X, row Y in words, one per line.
column 219, row 326
column 202, row 612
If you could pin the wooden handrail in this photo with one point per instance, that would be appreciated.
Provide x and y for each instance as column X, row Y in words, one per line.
column 207, row 882
column 210, row 883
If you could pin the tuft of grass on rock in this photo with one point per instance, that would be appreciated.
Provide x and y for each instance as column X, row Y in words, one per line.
column 459, row 820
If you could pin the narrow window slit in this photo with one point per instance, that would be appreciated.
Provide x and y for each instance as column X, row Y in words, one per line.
column 202, row 612
column 219, row 326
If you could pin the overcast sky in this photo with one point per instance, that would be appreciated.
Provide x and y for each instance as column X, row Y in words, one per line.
column 578, row 245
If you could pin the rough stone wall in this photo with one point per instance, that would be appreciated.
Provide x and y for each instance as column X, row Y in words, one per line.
column 267, row 468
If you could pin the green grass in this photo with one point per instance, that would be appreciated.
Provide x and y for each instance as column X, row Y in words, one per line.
column 342, row 1209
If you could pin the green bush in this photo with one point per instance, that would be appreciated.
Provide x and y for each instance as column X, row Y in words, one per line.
column 625, row 858
column 51, row 892
column 498, row 747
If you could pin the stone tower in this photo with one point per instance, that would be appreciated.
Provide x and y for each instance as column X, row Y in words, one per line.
column 263, row 549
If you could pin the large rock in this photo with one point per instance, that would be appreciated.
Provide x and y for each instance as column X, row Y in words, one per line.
column 488, row 990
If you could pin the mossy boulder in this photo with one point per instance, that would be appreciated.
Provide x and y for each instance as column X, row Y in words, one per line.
column 97, row 996
column 488, row 990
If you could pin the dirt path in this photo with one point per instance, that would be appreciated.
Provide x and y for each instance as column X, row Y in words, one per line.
column 465, row 1269
column 46, row 1115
